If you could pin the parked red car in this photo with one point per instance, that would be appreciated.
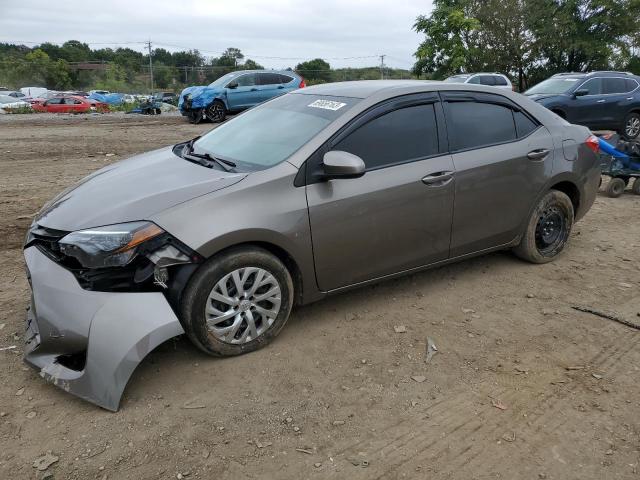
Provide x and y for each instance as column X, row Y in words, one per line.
column 69, row 104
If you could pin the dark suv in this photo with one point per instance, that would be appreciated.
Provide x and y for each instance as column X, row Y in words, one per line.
column 598, row 100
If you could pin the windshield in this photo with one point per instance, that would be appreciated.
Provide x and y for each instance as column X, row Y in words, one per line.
column 553, row 86
column 267, row 135
column 457, row 79
column 224, row 79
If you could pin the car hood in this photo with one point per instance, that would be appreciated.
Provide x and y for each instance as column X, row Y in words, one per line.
column 132, row 189
column 201, row 96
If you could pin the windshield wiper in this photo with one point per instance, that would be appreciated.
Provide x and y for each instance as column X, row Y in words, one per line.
column 206, row 159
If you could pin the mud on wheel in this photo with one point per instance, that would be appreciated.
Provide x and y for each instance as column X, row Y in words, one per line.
column 548, row 229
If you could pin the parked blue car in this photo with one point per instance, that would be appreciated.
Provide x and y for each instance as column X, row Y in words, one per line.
column 234, row 92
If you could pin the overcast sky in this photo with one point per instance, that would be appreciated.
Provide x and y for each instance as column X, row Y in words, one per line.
column 330, row 29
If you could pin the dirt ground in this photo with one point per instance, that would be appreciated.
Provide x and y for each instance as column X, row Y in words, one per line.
column 522, row 385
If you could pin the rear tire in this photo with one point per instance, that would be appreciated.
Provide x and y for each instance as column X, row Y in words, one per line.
column 632, row 126
column 548, row 229
column 635, row 188
column 221, row 311
column 616, row 187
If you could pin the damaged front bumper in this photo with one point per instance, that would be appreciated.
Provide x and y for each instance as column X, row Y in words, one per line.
column 87, row 342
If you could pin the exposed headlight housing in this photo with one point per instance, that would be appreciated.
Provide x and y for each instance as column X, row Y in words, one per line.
column 108, row 246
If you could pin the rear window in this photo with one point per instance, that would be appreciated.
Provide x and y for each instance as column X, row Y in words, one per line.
column 618, row 85
column 268, row 79
column 524, row 124
column 487, row 80
column 500, row 80
column 285, row 78
column 479, row 124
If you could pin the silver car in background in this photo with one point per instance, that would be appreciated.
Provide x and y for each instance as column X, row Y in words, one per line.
column 312, row 193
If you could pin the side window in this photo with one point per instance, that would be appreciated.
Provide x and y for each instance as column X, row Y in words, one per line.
column 399, row 136
column 55, row 101
column 630, row 85
column 593, row 86
column 473, row 124
column 268, row 79
column 615, row 85
column 285, row 79
column 487, row 80
column 475, row 80
column 248, row 80
column 524, row 124
column 500, row 80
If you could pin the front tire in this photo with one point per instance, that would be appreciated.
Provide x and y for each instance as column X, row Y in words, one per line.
column 548, row 229
column 635, row 188
column 216, row 112
column 237, row 302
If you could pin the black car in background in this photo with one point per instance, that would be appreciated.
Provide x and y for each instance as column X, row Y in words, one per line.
column 598, row 100
column 166, row 97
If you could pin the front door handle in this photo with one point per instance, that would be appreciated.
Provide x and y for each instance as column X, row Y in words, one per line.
column 601, row 101
column 280, row 86
column 438, row 179
column 539, row 154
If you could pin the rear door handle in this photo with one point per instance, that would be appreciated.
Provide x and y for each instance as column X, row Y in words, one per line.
column 438, row 179
column 539, row 154
column 254, row 90
column 280, row 86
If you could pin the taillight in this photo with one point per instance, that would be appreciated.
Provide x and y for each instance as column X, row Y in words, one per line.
column 302, row 84
column 593, row 143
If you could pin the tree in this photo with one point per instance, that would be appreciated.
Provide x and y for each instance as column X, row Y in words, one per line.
column 316, row 70
column 251, row 65
column 526, row 39
column 233, row 54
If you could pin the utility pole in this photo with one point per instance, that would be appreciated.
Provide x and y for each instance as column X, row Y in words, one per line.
column 150, row 65
column 382, row 66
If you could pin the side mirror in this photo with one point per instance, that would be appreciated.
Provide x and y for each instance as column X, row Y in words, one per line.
column 338, row 164
column 232, row 85
column 580, row 93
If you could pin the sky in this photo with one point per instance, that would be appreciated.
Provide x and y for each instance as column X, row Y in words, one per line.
column 293, row 30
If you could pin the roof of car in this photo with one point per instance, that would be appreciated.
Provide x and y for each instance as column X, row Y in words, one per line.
column 604, row 73
column 368, row 88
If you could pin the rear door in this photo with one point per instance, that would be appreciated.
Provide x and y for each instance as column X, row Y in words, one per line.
column 270, row 86
column 502, row 158
column 246, row 94
column 398, row 215
column 619, row 100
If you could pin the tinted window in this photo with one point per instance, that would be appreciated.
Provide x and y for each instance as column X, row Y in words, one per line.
column 487, row 80
column 55, row 101
column 285, row 79
column 631, row 85
column 476, row 124
column 615, row 85
column 500, row 80
column 475, row 80
column 268, row 79
column 524, row 125
column 395, row 137
column 593, row 86
column 247, row 80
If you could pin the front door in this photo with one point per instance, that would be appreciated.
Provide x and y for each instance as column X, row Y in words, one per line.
column 503, row 158
column 246, row 94
column 588, row 109
column 398, row 215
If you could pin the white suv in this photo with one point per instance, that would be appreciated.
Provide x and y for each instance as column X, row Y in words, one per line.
column 491, row 79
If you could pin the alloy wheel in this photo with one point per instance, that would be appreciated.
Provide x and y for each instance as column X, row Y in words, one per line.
column 215, row 112
column 243, row 305
column 632, row 129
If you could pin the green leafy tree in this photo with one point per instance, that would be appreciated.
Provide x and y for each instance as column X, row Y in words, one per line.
column 315, row 71
column 233, row 54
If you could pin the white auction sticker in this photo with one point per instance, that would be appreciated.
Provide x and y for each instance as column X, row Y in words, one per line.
column 327, row 105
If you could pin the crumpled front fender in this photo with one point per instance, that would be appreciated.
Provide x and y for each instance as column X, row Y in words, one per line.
column 202, row 97
column 122, row 330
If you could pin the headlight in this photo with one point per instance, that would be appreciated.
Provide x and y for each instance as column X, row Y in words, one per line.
column 109, row 246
